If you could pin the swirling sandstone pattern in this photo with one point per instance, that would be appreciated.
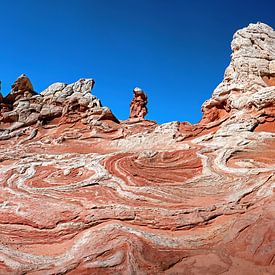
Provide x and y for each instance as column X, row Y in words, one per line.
column 84, row 193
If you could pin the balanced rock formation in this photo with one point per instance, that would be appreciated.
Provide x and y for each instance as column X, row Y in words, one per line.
column 84, row 193
column 138, row 104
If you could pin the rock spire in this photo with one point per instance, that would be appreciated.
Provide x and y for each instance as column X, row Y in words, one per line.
column 138, row 108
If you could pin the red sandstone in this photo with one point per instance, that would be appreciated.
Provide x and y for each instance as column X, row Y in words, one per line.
column 82, row 192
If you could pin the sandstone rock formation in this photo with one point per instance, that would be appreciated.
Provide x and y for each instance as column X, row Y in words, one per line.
column 22, row 85
column 138, row 104
column 84, row 193
column 250, row 77
column 21, row 88
column 22, row 107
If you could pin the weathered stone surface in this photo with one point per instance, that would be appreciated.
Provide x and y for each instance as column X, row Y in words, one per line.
column 21, row 85
column 138, row 109
column 58, row 100
column 84, row 193
column 248, row 75
column 21, row 88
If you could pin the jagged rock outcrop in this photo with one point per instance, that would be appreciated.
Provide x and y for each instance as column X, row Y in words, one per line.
column 249, row 80
column 21, row 88
column 138, row 104
column 83, row 193
column 22, row 85
column 23, row 107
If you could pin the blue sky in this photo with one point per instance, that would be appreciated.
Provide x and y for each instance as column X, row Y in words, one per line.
column 175, row 50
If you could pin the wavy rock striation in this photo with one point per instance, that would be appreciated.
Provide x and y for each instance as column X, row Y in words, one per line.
column 84, row 193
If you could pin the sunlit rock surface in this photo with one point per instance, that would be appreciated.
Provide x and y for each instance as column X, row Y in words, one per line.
column 138, row 109
column 84, row 193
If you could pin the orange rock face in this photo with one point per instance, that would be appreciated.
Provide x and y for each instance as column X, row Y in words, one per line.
column 84, row 193
column 138, row 109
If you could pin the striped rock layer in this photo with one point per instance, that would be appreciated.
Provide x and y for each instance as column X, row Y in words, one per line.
column 84, row 193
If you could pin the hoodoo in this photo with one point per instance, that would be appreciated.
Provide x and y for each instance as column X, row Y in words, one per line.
column 138, row 104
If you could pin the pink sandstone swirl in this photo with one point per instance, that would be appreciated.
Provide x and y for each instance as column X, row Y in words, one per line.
column 84, row 193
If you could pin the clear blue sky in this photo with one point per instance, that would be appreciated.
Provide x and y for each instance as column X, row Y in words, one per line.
column 175, row 50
